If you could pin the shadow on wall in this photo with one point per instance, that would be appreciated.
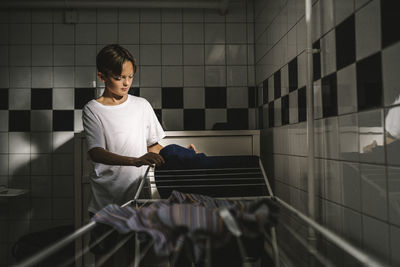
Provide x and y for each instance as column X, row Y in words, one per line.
column 46, row 170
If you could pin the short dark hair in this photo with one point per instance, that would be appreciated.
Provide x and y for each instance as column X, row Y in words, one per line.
column 110, row 59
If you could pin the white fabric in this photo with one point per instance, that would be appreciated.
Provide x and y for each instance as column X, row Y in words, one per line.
column 126, row 129
column 393, row 119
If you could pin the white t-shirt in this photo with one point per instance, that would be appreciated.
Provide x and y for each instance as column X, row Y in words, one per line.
column 126, row 129
column 392, row 120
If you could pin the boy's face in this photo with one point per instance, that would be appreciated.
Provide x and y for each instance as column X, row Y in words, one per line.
column 119, row 85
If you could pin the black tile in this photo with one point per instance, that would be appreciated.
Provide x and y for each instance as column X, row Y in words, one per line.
column 194, row 119
column 19, row 121
column 158, row 113
column 271, row 119
column 238, row 118
column 316, row 61
column 369, row 82
column 277, row 84
column 390, row 21
column 329, row 95
column 293, row 75
column 260, row 118
column 41, row 98
column 285, row 109
column 215, row 97
column 172, row 97
column 63, row 120
column 134, row 91
column 252, row 97
column 265, row 91
column 345, row 43
column 302, row 103
column 82, row 96
column 3, row 99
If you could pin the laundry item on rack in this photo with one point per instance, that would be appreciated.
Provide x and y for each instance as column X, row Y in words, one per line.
column 178, row 157
column 193, row 217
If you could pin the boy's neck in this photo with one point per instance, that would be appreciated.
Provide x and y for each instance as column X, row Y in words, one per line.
column 109, row 99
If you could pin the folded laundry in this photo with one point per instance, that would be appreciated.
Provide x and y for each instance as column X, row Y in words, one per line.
column 193, row 216
column 178, row 157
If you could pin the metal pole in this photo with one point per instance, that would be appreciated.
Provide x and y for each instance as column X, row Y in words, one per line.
column 310, row 130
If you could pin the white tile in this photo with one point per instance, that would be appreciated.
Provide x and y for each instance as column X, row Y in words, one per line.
column 150, row 55
column 64, row 55
column 343, row 9
column 19, row 99
column 333, row 181
column 4, row 120
column 20, row 33
column 293, row 107
column 63, row 76
column 20, row 77
column 172, row 76
column 393, row 194
column 63, row 142
column 250, row 76
column 285, row 80
column 4, row 34
column 368, row 30
column 85, row 76
column 128, row 33
column 107, row 15
column 153, row 95
column 215, row 116
column 215, row 76
column 63, row 186
column 347, row 89
column 277, row 112
column 42, row 33
column 237, row 54
column 20, row 16
column 107, row 33
column 236, row 33
column 193, row 54
column 172, row 55
column 63, row 209
column 171, row 15
column 85, row 55
column 20, row 55
column 129, row 15
column 4, row 142
column 42, row 55
column 4, row 164
column 394, row 244
column 19, row 164
column 292, row 43
column 250, row 55
column 41, row 209
column 58, row 16
column 333, row 218
column 193, row 97
column 215, row 54
column 150, row 33
column 327, row 15
column 213, row 15
column 63, row 34
column 391, row 77
column 42, row 142
column 374, row 191
column 317, row 100
column 271, row 91
column 376, row 237
column 4, row 77
column 86, row 33
column 328, row 54
column 193, row 33
column 42, row 16
column 41, row 120
column 316, row 21
column 319, row 138
column 214, row 33
column 237, row 76
column 150, row 76
column 63, row 164
column 63, row 98
column 78, row 125
column 40, row 164
column 348, row 137
column 331, row 138
column 371, row 132
column 301, row 35
column 19, row 142
column 360, row 3
column 193, row 15
column 171, row 33
column 351, row 192
column 172, row 119
column 42, row 77
column 237, row 97
column 193, row 76
column 150, row 15
column 238, row 12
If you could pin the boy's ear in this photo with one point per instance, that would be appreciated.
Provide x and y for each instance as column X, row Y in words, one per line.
column 101, row 76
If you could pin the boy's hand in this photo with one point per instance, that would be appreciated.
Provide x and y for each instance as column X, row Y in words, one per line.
column 191, row 146
column 149, row 158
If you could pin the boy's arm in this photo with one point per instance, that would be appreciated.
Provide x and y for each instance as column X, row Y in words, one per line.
column 155, row 148
column 100, row 155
